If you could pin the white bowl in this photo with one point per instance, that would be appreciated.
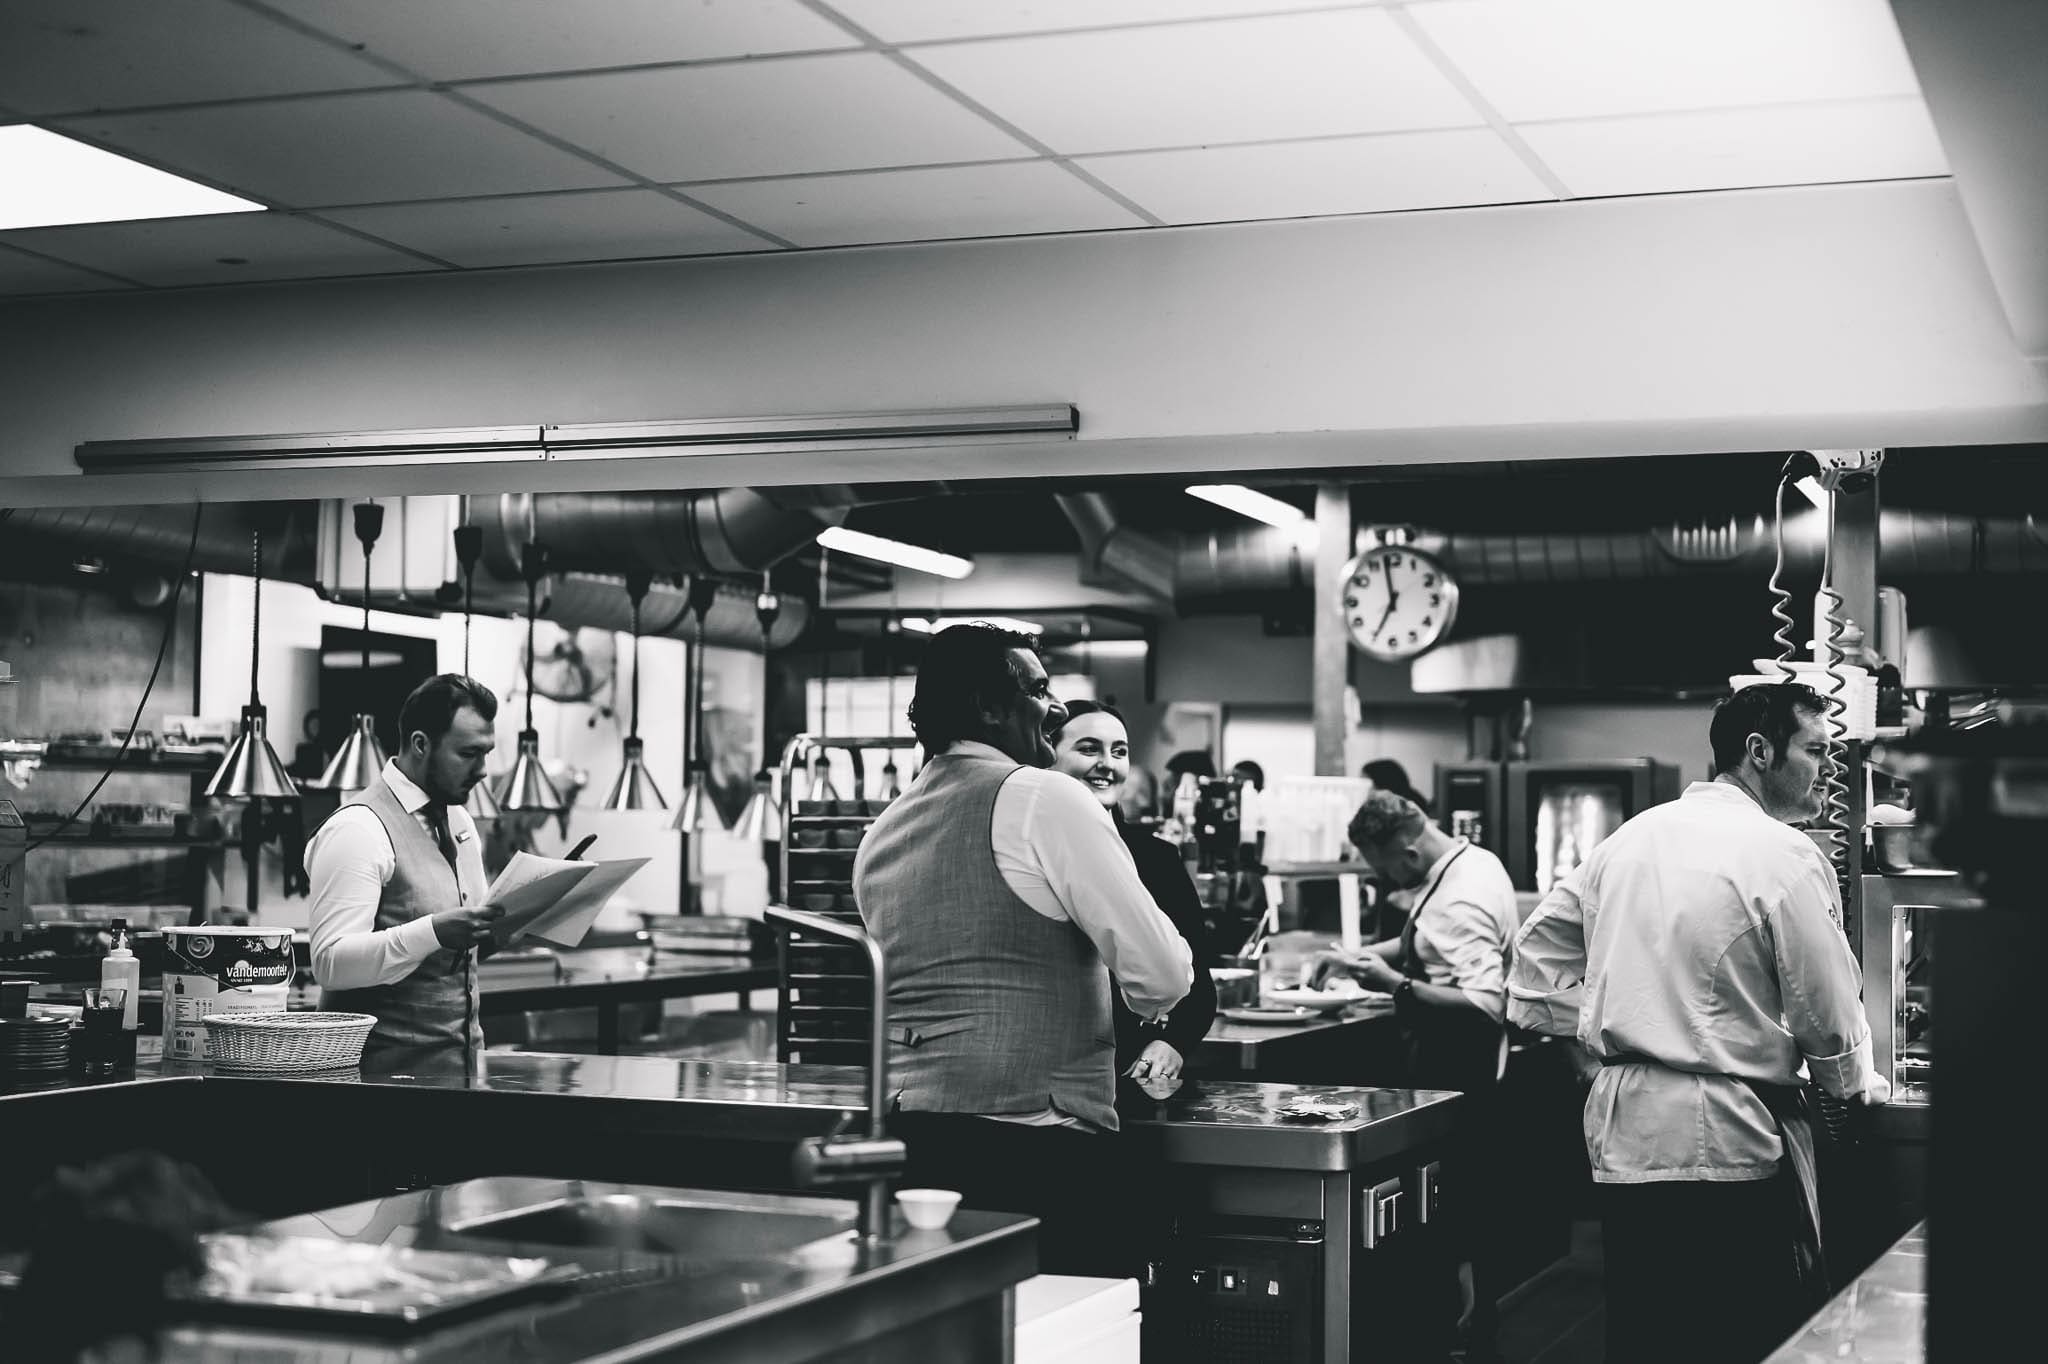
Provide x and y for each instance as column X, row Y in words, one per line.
column 928, row 1209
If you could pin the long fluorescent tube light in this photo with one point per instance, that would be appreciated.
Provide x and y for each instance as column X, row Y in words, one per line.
column 54, row 180
column 894, row 552
column 589, row 440
column 931, row 626
column 1246, row 502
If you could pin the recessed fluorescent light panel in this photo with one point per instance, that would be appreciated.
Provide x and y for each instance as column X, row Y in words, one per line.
column 895, row 552
column 1246, row 502
column 931, row 626
column 1815, row 494
column 53, row 180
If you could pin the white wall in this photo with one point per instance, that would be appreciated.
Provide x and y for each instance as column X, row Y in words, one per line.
column 1837, row 315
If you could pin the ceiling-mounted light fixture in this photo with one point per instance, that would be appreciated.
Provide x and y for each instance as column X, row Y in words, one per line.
column 695, row 812
column 635, row 788
column 761, row 820
column 53, row 181
column 586, row 440
column 251, row 768
column 931, row 625
column 897, row 552
column 469, row 548
column 527, row 786
column 360, row 759
column 1249, row 502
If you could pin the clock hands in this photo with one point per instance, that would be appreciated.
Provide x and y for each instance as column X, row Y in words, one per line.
column 1393, row 597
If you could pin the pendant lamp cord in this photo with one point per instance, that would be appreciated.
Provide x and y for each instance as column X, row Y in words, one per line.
column 469, row 547
column 255, row 606
column 637, row 583
column 533, row 566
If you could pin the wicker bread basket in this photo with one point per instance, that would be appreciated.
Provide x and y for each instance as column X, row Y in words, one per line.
column 287, row 1041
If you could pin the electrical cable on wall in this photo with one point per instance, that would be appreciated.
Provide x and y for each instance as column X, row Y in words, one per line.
column 163, row 646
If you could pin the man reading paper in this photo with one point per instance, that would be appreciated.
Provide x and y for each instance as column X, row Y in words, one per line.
column 398, row 889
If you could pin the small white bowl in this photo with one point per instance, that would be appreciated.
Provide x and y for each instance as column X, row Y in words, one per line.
column 928, row 1209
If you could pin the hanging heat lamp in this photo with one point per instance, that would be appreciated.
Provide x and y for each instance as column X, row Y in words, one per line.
column 696, row 812
column 251, row 769
column 761, row 821
column 469, row 548
column 527, row 788
column 635, row 788
column 360, row 759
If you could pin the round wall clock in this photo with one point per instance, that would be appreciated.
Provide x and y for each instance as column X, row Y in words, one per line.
column 1398, row 601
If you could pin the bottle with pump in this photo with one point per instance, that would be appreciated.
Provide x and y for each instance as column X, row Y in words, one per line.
column 120, row 970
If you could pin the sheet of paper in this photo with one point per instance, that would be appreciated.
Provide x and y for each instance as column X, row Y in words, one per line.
column 565, row 922
column 528, row 886
column 1347, row 910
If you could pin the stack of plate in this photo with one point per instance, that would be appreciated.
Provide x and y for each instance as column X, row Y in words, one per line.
column 34, row 1044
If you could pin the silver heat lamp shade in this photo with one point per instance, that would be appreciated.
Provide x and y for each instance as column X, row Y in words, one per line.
column 761, row 821
column 635, row 788
column 695, row 812
column 251, row 768
column 527, row 786
column 483, row 801
column 358, row 762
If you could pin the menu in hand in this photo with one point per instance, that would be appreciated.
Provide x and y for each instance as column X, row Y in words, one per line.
column 553, row 900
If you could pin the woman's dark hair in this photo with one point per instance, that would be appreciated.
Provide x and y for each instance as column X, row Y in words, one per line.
column 1195, row 760
column 1771, row 709
column 430, row 710
column 1387, row 775
column 1077, row 709
column 1251, row 772
column 964, row 668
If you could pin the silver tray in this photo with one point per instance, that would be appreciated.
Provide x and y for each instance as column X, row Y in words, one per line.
column 347, row 1283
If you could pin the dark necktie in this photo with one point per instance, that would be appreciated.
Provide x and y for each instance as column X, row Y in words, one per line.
column 437, row 820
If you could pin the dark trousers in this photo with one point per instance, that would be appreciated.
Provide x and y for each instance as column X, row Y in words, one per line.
column 1698, row 1272
column 1096, row 1215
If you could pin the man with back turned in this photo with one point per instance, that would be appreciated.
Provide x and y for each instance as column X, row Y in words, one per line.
column 398, row 885
column 1003, row 900
column 1698, row 957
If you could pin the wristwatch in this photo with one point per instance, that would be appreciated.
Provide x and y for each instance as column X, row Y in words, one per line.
column 1405, row 990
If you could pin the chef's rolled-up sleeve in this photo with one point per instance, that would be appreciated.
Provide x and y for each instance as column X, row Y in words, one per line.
column 1547, row 968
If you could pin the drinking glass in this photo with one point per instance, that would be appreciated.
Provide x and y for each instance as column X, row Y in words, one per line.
column 101, row 1019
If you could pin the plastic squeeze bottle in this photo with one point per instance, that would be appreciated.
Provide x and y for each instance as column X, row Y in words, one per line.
column 120, row 970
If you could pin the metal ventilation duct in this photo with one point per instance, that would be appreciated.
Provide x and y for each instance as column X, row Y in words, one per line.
column 579, row 601
column 730, row 530
column 1109, row 546
column 158, row 535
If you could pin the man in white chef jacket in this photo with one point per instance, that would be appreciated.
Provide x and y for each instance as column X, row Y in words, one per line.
column 398, row 885
column 1698, row 956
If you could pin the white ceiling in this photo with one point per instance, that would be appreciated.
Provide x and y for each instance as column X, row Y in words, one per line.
column 392, row 137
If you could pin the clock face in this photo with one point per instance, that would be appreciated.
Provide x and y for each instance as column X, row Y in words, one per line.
column 1398, row 602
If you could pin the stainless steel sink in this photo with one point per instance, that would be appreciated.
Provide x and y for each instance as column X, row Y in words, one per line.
column 746, row 1228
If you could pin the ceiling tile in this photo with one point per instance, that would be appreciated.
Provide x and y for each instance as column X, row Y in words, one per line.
column 1309, row 179
column 168, row 251
column 552, row 228
column 466, row 39
column 756, row 118
column 1741, row 148
column 67, row 56
column 1305, row 75
column 25, row 274
column 921, row 205
column 346, row 149
column 1549, row 59
column 909, row 21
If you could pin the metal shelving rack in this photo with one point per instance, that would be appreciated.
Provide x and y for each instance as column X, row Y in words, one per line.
column 823, row 1009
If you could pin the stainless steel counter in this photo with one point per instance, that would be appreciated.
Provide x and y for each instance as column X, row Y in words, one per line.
column 1881, row 1318
column 1238, row 1123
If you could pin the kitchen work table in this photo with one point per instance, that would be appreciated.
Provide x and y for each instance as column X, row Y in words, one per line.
column 650, row 1273
column 1880, row 1318
column 607, row 977
column 1273, row 1199
column 1337, row 1048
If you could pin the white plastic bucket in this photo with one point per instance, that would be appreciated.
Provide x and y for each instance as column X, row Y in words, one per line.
column 220, row 970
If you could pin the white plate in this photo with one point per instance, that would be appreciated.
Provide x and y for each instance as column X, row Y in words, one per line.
column 1322, row 1001
column 1279, row 1018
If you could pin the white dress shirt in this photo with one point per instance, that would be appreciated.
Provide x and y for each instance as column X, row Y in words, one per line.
column 1060, row 853
column 348, row 863
column 1465, row 925
column 1700, row 935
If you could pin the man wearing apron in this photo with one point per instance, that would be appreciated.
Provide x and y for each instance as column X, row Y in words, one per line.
column 1447, row 974
column 398, row 886
column 1698, row 957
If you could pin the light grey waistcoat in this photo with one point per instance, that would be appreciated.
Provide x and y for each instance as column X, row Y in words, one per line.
column 993, row 1008
column 433, row 1009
